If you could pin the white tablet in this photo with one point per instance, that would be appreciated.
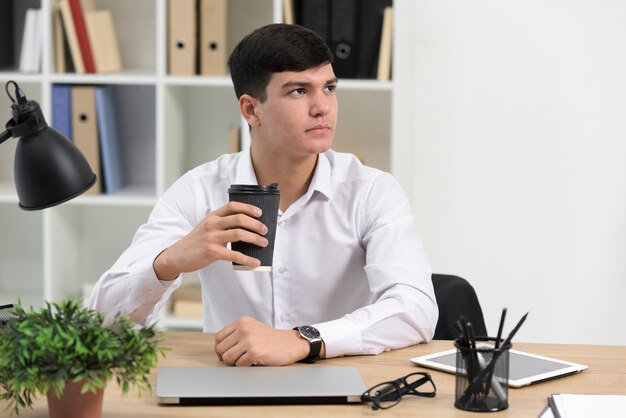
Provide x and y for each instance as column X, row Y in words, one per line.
column 524, row 368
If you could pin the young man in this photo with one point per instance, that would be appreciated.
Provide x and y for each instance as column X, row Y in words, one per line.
column 349, row 272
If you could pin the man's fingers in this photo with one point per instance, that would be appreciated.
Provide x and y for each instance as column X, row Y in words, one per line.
column 235, row 235
column 236, row 257
column 242, row 221
column 232, row 208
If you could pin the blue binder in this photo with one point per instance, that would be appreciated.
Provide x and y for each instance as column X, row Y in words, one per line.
column 110, row 141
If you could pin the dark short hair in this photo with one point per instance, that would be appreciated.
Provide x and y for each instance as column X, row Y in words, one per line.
column 272, row 49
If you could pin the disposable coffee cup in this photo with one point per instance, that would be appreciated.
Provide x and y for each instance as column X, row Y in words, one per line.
column 267, row 198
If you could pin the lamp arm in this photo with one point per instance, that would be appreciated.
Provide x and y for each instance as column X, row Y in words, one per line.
column 5, row 135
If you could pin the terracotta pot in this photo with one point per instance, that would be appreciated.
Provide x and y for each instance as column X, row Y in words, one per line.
column 74, row 405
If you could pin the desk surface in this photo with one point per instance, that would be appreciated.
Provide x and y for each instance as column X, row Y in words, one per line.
column 606, row 374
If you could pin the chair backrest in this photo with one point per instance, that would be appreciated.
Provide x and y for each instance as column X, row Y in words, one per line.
column 456, row 297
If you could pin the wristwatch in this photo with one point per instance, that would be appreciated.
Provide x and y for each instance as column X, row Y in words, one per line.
column 312, row 335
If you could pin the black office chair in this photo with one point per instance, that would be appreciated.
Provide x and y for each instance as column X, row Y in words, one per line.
column 456, row 297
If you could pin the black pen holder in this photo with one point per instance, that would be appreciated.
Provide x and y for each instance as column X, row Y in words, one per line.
column 482, row 376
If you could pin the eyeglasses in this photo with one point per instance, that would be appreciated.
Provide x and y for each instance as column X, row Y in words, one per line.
column 387, row 394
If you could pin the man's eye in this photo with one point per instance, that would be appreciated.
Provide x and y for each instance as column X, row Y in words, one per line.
column 331, row 88
column 297, row 92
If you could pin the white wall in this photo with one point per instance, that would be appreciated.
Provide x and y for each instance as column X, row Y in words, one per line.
column 512, row 146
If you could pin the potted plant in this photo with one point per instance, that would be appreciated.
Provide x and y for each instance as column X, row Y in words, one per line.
column 65, row 351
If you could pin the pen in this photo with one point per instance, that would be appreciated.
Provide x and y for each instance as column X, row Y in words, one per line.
column 497, row 344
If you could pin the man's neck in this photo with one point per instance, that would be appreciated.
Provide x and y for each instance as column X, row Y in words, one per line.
column 292, row 175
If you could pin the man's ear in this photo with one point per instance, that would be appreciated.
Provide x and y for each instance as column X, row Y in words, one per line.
column 248, row 106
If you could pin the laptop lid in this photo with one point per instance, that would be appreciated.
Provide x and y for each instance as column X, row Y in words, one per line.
column 259, row 385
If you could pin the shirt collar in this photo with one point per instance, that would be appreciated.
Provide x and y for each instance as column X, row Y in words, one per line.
column 245, row 170
column 321, row 181
column 322, row 178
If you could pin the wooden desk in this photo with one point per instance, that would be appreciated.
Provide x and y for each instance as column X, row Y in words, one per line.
column 606, row 374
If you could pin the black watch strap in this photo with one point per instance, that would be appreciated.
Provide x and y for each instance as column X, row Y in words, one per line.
column 312, row 335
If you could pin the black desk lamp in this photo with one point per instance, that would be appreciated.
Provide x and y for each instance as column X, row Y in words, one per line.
column 49, row 168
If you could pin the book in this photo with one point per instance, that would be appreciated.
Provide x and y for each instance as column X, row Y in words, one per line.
column 78, row 17
column 213, row 56
column 384, row 56
column 62, row 109
column 72, row 38
column 85, row 130
column 182, row 37
column 59, row 40
column 109, row 136
column 30, row 54
column 103, row 39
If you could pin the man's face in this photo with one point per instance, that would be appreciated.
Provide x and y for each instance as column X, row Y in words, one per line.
column 299, row 116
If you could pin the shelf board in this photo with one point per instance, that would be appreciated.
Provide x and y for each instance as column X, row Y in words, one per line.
column 133, row 77
column 131, row 196
column 354, row 84
column 173, row 323
column 223, row 81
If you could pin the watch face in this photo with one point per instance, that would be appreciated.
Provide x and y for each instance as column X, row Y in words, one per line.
column 309, row 332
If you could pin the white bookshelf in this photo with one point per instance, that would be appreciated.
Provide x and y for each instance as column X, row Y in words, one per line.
column 170, row 125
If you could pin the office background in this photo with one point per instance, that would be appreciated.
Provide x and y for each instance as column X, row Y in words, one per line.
column 516, row 112
column 506, row 130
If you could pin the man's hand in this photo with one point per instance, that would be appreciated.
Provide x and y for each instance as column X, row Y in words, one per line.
column 248, row 342
column 206, row 243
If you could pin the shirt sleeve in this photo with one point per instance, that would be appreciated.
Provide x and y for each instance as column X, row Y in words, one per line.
column 130, row 286
column 404, row 309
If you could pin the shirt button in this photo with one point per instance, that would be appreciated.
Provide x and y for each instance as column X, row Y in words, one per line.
column 284, row 317
column 282, row 269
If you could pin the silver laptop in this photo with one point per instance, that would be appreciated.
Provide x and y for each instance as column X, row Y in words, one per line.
column 259, row 385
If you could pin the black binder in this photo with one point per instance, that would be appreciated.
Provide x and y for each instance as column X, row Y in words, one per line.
column 313, row 14
column 343, row 37
column 7, row 52
column 370, row 26
column 352, row 30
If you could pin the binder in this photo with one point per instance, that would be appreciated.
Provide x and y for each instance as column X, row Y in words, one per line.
column 81, row 33
column 213, row 37
column 314, row 15
column 62, row 109
column 384, row 57
column 108, row 130
column 343, row 37
column 85, row 130
column 335, row 21
column 182, row 33
column 6, row 34
column 288, row 13
column 102, row 36
column 72, row 38
column 370, row 29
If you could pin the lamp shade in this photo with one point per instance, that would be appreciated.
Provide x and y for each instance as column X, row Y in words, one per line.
column 49, row 170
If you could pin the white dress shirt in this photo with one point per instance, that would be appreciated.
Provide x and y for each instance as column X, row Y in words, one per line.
column 347, row 259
